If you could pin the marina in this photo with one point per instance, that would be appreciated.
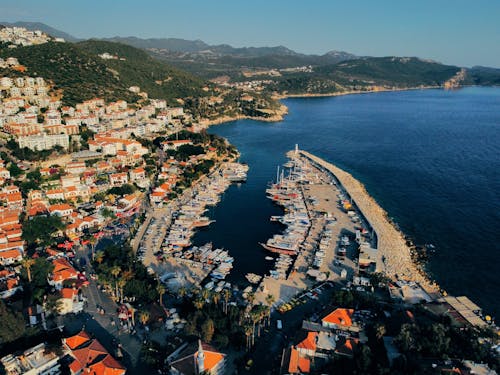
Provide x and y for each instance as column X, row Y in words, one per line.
column 166, row 246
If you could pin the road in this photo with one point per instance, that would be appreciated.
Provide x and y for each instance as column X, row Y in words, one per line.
column 105, row 327
column 268, row 350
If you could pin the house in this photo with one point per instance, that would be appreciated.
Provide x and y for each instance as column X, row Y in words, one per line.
column 90, row 357
column 10, row 256
column 70, row 301
column 174, row 145
column 137, row 174
column 198, row 359
column 9, row 285
column 63, row 271
column 36, row 360
column 118, row 179
column 339, row 318
column 295, row 362
column 61, row 210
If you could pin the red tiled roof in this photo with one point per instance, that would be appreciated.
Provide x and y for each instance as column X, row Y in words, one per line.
column 341, row 317
column 297, row 363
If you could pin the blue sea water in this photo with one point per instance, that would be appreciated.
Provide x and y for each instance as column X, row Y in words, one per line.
column 431, row 158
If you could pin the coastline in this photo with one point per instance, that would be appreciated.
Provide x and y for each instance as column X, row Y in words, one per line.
column 279, row 114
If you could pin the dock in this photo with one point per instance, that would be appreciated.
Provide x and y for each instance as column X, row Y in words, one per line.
column 394, row 256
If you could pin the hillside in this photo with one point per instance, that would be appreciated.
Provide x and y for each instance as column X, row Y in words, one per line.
column 365, row 73
column 82, row 75
column 158, row 79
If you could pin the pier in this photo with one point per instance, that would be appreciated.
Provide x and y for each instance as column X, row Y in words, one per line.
column 394, row 257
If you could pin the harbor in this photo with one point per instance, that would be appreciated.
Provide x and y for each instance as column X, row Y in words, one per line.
column 165, row 245
column 334, row 231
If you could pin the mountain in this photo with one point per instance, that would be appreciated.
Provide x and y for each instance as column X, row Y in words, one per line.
column 485, row 76
column 42, row 27
column 198, row 46
column 366, row 74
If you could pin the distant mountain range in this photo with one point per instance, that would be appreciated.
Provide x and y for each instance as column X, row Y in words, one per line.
column 331, row 72
column 178, row 45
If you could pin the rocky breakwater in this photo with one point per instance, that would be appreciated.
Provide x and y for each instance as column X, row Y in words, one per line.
column 394, row 254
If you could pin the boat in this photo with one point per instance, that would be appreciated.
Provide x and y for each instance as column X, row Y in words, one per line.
column 277, row 249
column 269, row 258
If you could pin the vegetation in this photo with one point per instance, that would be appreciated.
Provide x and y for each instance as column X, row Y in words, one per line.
column 135, row 67
column 42, row 229
column 118, row 268
column 12, row 326
column 80, row 74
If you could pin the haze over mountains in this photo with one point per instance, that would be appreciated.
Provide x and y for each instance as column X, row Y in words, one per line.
column 212, row 61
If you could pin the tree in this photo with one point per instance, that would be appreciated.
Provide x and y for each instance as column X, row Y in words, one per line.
column 226, row 294
column 161, row 291
column 269, row 300
column 13, row 325
column 207, row 330
column 92, row 241
column 363, row 359
column 99, row 256
column 379, row 331
column 144, row 317
column 41, row 229
column 115, row 271
column 27, row 264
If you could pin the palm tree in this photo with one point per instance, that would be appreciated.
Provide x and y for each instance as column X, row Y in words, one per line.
column 27, row 264
column 269, row 300
column 248, row 333
column 198, row 303
column 182, row 292
column 121, row 282
column 93, row 242
column 226, row 294
column 99, row 256
column 144, row 317
column 115, row 271
column 216, row 298
column 161, row 291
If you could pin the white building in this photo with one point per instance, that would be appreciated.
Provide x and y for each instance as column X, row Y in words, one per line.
column 34, row 361
column 44, row 142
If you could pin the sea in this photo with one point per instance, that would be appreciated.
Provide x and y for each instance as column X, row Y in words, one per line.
column 431, row 159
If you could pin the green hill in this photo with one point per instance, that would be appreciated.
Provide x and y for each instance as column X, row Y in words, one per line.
column 82, row 74
column 157, row 78
column 360, row 74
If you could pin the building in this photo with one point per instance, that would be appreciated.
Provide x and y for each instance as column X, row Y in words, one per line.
column 339, row 319
column 44, row 142
column 198, row 359
column 38, row 360
column 70, row 301
column 90, row 357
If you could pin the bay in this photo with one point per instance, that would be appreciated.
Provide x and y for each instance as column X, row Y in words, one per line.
column 431, row 158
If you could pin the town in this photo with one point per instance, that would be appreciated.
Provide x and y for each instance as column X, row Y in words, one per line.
column 99, row 274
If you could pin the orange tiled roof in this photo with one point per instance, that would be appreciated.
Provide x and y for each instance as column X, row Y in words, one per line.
column 68, row 293
column 77, row 340
column 297, row 363
column 309, row 343
column 13, row 253
column 341, row 317
column 63, row 270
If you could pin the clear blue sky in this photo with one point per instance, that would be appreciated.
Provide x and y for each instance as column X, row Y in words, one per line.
column 457, row 32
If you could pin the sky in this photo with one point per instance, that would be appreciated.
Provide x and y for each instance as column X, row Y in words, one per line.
column 458, row 32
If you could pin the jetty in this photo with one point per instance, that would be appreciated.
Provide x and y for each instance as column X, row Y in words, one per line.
column 394, row 255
